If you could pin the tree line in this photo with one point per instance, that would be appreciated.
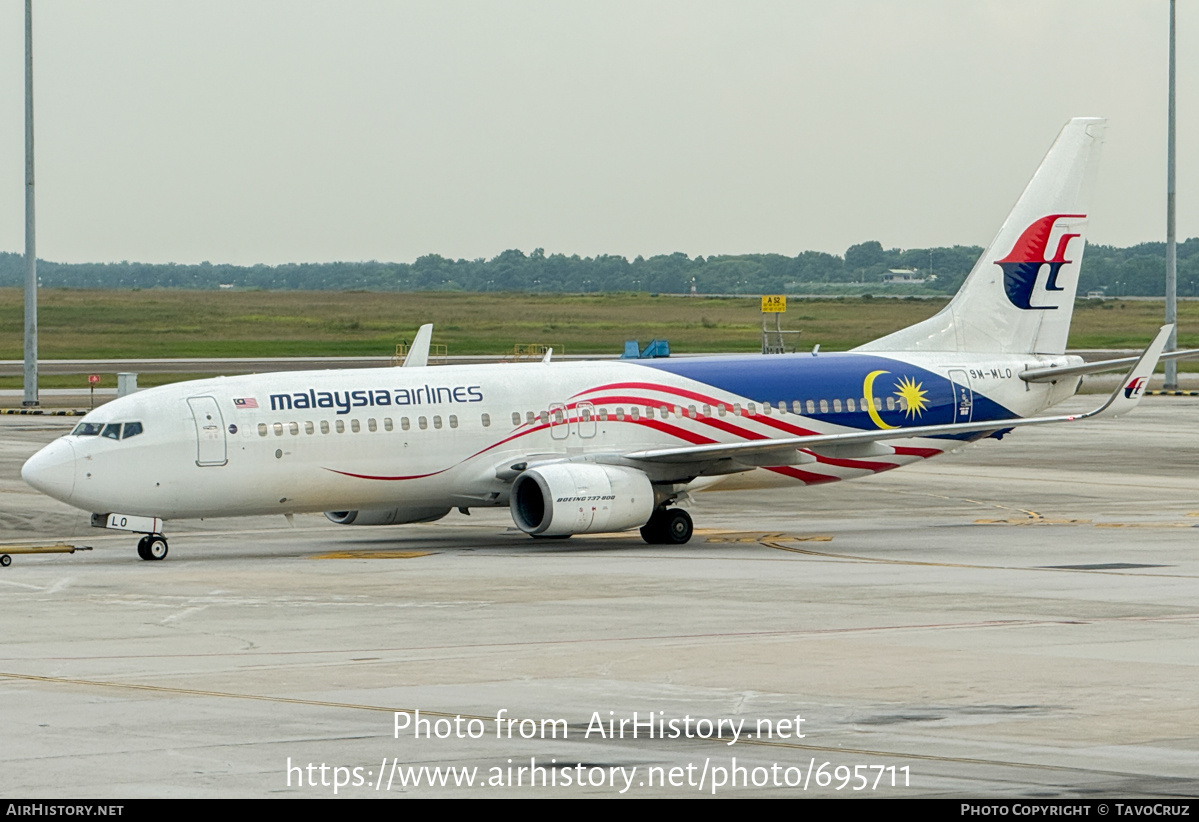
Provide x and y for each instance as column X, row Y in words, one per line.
column 1134, row 271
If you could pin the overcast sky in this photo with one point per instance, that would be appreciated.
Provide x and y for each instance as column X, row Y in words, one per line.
column 263, row 131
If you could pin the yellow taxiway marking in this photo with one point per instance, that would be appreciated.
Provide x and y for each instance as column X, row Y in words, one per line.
column 372, row 555
column 765, row 538
column 1039, row 520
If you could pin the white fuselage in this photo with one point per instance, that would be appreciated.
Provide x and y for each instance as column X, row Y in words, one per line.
column 441, row 437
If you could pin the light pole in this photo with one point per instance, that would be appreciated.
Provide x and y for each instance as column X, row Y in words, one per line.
column 30, row 246
column 1171, row 250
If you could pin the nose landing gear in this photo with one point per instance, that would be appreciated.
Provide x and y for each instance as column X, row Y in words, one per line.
column 151, row 546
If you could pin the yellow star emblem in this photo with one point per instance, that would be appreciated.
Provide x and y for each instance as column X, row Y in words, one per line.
column 909, row 391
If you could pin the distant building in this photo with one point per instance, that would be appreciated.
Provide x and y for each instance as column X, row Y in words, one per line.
column 902, row 276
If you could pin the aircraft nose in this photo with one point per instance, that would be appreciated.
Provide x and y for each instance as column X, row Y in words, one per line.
column 52, row 470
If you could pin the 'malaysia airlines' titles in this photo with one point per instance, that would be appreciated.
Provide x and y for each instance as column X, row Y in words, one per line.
column 343, row 401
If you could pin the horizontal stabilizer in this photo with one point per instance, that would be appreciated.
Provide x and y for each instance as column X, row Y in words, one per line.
column 1051, row 374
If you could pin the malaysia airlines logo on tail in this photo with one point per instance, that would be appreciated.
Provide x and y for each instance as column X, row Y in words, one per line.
column 1022, row 265
column 1134, row 388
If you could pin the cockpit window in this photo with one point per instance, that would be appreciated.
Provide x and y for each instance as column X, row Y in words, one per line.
column 111, row 430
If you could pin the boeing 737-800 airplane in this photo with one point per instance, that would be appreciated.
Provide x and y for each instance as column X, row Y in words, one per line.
column 606, row 446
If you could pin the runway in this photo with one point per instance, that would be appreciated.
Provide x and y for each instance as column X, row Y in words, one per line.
column 1017, row 619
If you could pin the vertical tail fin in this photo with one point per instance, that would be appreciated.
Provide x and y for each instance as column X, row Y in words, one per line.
column 418, row 353
column 1019, row 297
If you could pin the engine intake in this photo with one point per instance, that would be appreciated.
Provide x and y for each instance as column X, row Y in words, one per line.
column 580, row 498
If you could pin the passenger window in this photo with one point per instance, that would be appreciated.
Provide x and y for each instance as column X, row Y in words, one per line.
column 635, row 413
column 530, row 417
column 262, row 429
column 691, row 412
column 387, row 425
column 486, row 420
column 736, row 409
column 559, row 417
column 371, row 425
column 837, row 406
column 766, row 409
column 649, row 413
column 890, row 403
column 720, row 409
column 309, row 428
column 811, row 407
column 849, row 405
column 423, row 422
column 782, row 407
column 437, row 421
column 707, row 410
column 824, row 406
column 355, row 426
column 404, row 424
column 545, row 417
column 620, row 413
column 586, row 415
column 132, row 429
column 903, row 403
column 112, row 431
column 797, row 407
column 603, row 414
column 453, row 420
column 752, row 409
column 341, row 426
column 278, row 429
column 516, row 418
column 324, row 426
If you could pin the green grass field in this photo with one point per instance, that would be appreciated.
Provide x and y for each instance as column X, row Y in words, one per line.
column 166, row 323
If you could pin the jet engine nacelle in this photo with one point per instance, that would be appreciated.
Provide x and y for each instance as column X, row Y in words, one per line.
column 580, row 498
column 386, row 516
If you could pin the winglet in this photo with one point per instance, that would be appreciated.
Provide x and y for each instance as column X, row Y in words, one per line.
column 1132, row 387
column 418, row 352
column 549, row 353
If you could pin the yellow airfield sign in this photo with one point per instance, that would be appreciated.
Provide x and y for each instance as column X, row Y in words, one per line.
column 774, row 304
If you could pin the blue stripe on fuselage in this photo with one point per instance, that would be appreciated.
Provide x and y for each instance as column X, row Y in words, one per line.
column 841, row 376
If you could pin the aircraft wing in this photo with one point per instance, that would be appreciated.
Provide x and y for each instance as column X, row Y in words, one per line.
column 762, row 452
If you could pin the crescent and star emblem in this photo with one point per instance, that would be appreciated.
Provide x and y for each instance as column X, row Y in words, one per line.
column 907, row 389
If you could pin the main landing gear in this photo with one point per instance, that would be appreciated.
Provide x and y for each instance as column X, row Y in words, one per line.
column 667, row 526
column 152, row 546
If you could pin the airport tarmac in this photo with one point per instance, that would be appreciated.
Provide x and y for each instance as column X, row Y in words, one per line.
column 1017, row 619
